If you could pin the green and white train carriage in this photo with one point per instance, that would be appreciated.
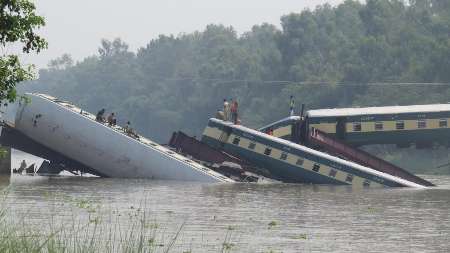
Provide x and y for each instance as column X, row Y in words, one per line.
column 284, row 128
column 402, row 125
column 292, row 162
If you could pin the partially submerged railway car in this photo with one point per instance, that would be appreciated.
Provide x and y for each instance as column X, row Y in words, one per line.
column 291, row 162
column 64, row 128
column 402, row 125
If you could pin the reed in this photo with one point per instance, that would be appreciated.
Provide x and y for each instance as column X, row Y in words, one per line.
column 89, row 232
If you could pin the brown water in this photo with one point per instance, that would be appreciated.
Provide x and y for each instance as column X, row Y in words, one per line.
column 249, row 217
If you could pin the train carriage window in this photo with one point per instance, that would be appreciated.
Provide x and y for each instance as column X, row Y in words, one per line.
column 300, row 161
column 316, row 167
column 399, row 125
column 332, row 173
column 236, row 141
column 252, row 145
column 283, row 156
column 268, row 151
column 349, row 178
column 443, row 123
column 356, row 126
column 422, row 123
column 378, row 126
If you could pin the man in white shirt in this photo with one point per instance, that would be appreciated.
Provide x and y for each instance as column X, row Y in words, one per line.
column 226, row 109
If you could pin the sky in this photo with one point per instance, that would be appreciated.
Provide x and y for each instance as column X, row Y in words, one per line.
column 76, row 27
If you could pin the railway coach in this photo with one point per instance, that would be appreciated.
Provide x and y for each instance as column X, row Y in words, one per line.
column 291, row 162
column 401, row 125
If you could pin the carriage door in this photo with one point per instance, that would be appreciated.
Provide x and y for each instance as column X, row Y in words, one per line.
column 340, row 128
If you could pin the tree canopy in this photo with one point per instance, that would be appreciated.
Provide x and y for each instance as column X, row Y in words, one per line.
column 330, row 56
column 18, row 22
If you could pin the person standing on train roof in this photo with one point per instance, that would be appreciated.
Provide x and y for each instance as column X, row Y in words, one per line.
column 100, row 116
column 231, row 110
column 226, row 109
column 127, row 127
column 112, row 119
column 234, row 111
column 291, row 106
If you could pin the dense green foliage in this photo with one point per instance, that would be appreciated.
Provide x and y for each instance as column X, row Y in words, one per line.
column 325, row 57
column 18, row 23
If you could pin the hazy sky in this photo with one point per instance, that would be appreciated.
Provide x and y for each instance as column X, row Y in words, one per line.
column 77, row 26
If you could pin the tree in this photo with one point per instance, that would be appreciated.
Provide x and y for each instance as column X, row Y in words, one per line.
column 177, row 82
column 62, row 62
column 18, row 22
column 112, row 48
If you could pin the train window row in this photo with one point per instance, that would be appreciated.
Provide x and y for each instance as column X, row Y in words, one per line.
column 399, row 125
column 300, row 161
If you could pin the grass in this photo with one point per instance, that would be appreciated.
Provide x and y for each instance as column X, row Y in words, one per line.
column 86, row 230
column 20, row 236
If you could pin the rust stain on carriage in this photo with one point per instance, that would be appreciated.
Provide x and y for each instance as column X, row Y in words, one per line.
column 320, row 139
column 187, row 145
column 183, row 143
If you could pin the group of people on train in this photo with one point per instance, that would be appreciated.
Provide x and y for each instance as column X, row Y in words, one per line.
column 229, row 112
column 112, row 121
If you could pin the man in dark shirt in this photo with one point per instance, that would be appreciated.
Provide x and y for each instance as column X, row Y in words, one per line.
column 99, row 116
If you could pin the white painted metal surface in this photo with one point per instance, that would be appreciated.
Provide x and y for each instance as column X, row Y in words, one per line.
column 62, row 127
column 378, row 110
column 280, row 121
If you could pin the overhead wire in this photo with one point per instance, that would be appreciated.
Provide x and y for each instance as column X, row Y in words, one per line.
column 288, row 82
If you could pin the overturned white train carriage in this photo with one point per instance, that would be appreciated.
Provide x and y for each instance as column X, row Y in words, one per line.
column 65, row 128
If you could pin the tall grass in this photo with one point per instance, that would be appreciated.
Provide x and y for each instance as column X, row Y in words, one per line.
column 88, row 232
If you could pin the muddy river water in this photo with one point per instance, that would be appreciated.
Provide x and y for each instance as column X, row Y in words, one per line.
column 245, row 217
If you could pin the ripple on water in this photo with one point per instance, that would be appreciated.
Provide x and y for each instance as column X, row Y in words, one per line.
column 254, row 218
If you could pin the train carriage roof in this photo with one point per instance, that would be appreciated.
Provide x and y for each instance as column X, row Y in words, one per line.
column 339, row 112
column 313, row 152
column 282, row 122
